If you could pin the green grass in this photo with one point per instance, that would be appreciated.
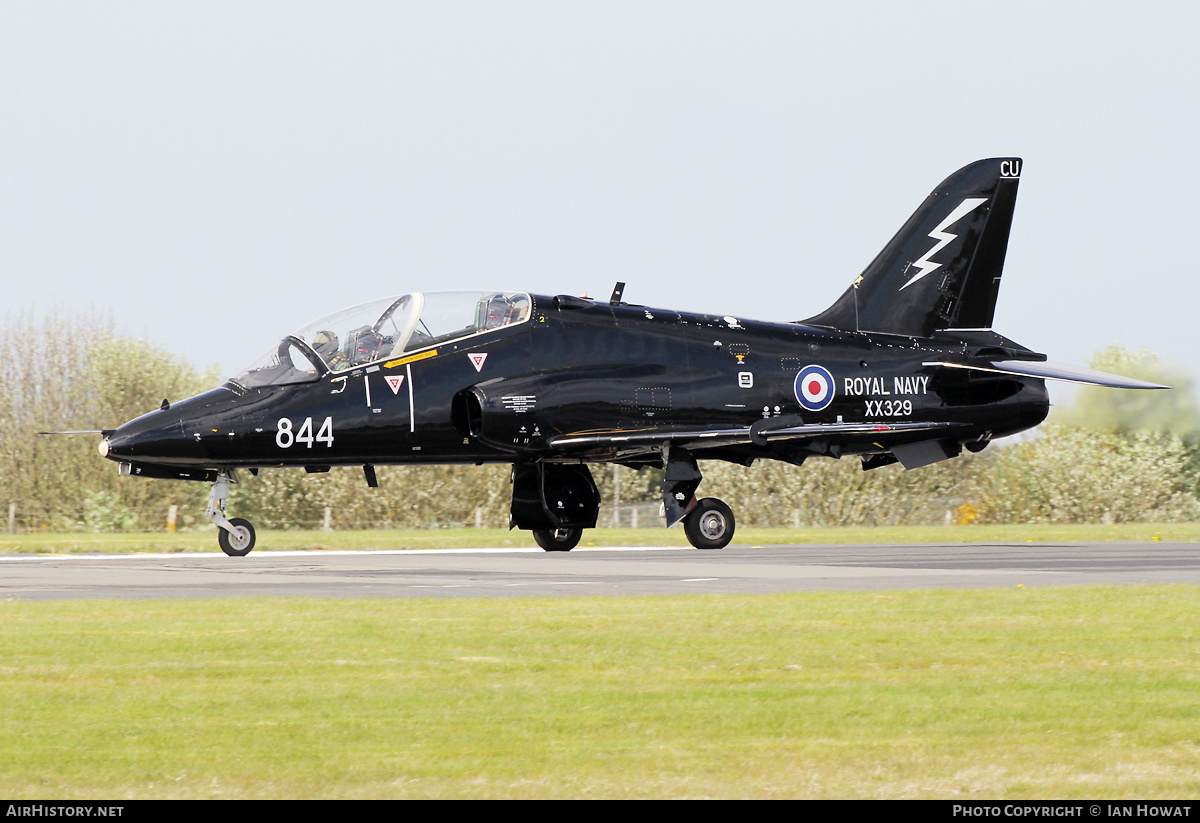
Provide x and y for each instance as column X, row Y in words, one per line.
column 1077, row 692
column 205, row 541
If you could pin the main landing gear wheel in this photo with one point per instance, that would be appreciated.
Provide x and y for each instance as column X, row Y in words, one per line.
column 557, row 540
column 240, row 542
column 709, row 525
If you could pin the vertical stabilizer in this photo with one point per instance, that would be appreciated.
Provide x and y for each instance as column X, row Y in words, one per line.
column 942, row 269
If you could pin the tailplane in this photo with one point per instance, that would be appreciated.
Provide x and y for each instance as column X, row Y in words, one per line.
column 942, row 269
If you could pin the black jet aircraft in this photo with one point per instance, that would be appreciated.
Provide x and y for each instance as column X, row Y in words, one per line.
column 904, row 367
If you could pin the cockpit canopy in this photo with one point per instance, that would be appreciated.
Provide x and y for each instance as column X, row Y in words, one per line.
column 383, row 329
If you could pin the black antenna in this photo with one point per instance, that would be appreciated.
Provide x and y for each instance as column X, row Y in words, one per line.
column 619, row 290
column 856, row 282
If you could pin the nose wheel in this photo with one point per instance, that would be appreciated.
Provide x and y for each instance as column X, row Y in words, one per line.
column 239, row 541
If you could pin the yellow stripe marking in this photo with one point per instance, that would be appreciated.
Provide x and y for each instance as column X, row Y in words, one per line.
column 412, row 358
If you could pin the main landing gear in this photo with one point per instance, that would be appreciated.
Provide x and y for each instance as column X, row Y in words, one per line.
column 708, row 523
column 557, row 501
column 236, row 536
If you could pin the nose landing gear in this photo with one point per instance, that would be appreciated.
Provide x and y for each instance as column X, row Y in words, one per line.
column 236, row 536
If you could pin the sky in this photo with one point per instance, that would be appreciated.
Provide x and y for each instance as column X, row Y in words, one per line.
column 215, row 175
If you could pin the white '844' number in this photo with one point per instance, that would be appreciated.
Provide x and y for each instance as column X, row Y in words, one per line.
column 285, row 437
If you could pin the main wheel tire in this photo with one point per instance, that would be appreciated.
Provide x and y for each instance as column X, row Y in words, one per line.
column 710, row 524
column 557, row 540
column 240, row 542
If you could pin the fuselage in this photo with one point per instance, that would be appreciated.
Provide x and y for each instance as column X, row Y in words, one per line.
column 575, row 366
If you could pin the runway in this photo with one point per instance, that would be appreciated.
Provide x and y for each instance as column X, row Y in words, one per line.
column 621, row 571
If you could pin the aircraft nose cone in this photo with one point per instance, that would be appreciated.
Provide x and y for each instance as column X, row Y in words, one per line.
column 120, row 445
column 149, row 439
column 183, row 434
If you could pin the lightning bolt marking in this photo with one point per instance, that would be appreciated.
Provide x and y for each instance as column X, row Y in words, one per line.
column 943, row 237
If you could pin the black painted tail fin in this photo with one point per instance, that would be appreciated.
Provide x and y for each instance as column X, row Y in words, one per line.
column 942, row 269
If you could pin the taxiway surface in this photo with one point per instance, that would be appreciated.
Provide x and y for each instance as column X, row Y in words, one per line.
column 629, row 571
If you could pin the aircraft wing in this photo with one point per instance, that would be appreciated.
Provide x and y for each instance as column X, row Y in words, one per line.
column 761, row 433
column 1050, row 370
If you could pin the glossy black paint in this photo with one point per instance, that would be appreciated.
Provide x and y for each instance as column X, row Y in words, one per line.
column 595, row 368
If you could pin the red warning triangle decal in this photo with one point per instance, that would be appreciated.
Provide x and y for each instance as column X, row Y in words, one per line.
column 394, row 381
column 477, row 358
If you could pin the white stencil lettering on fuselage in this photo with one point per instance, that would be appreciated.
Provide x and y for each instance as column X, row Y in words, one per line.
column 889, row 408
column 285, row 435
column 519, row 403
column 910, row 385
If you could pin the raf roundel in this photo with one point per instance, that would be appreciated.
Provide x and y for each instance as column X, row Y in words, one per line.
column 814, row 387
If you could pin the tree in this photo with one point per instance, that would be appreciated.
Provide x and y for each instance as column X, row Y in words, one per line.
column 1125, row 411
column 1073, row 475
column 68, row 371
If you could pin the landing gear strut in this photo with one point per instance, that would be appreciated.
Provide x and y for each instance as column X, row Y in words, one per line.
column 236, row 536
